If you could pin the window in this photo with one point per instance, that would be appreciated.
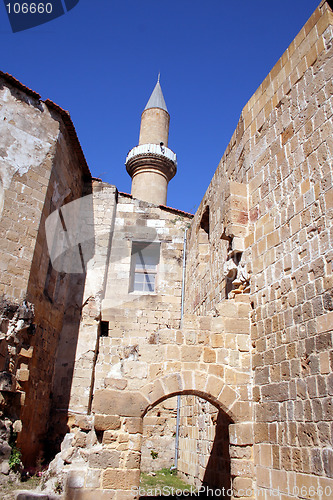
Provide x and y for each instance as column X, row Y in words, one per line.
column 104, row 329
column 145, row 259
column 204, row 223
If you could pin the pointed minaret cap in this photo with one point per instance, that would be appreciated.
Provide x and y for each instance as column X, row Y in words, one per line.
column 156, row 99
column 152, row 164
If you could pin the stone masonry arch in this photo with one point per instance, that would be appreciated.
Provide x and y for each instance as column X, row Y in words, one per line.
column 207, row 357
column 197, row 383
column 118, row 420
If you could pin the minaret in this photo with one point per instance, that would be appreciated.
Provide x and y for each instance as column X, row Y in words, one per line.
column 152, row 164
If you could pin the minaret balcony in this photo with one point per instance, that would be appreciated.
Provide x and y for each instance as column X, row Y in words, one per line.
column 152, row 149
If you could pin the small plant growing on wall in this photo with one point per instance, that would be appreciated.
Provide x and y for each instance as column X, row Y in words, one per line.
column 154, row 454
column 15, row 458
column 58, row 487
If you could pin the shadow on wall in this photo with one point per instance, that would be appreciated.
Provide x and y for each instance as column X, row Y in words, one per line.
column 217, row 475
column 58, row 297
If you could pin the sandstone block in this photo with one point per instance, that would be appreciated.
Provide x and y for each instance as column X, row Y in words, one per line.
column 227, row 309
column 114, row 383
column 237, row 325
column 217, row 340
column 217, row 324
column 120, row 479
column 133, row 460
column 190, row 353
column 27, row 353
column 228, row 397
column 90, row 494
column 243, row 343
column 242, row 452
column 241, row 434
column 242, row 487
column 84, row 422
column 104, row 458
column 127, row 495
column 93, row 478
column 106, row 422
column 188, row 382
column 127, row 404
column 173, row 383
column 110, row 437
column 242, row 468
column 200, row 380
column 242, row 410
column 75, row 478
column 133, row 425
column 325, row 322
column 22, row 375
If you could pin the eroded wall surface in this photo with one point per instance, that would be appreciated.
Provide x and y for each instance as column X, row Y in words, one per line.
column 40, row 170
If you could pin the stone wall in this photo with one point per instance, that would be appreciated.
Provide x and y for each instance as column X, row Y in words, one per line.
column 256, row 339
column 159, row 437
column 29, row 136
column 127, row 355
column 269, row 210
column 132, row 353
column 16, row 329
column 41, row 168
column 197, row 433
column 75, row 360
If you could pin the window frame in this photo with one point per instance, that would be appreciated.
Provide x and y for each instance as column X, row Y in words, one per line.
column 143, row 271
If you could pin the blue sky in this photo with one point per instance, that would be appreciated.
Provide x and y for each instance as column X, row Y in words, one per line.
column 100, row 62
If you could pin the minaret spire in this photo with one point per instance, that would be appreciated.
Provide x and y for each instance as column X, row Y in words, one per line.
column 152, row 164
column 156, row 99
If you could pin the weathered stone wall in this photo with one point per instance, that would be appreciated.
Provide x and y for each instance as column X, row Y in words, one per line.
column 42, row 167
column 270, row 217
column 16, row 329
column 128, row 355
column 85, row 352
column 58, row 295
column 143, row 356
column 28, row 142
column 159, row 436
column 204, row 452
column 187, row 361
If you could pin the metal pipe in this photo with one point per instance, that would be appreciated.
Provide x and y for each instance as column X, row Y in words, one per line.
column 183, row 278
column 181, row 321
column 177, row 433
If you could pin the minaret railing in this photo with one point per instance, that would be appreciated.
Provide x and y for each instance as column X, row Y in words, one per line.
column 154, row 149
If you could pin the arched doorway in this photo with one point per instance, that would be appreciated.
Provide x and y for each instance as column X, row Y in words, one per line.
column 198, row 448
column 119, row 415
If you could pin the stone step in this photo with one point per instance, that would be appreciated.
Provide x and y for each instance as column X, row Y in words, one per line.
column 31, row 495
